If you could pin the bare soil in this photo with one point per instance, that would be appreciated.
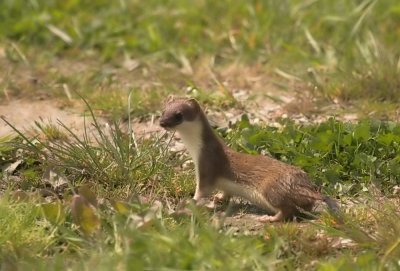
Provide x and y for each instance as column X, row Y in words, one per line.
column 23, row 114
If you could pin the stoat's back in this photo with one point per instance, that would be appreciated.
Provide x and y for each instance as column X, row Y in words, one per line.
column 280, row 183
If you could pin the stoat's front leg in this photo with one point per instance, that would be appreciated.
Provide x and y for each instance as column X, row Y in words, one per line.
column 202, row 191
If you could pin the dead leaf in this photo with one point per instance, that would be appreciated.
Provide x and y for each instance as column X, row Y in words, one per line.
column 60, row 33
column 54, row 212
column 10, row 168
column 396, row 190
column 53, row 178
column 151, row 214
column 186, row 66
column 84, row 215
column 20, row 196
column 120, row 206
column 130, row 64
column 85, row 192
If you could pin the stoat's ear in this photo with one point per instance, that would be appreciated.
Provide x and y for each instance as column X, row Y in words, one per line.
column 169, row 99
column 194, row 104
column 193, row 101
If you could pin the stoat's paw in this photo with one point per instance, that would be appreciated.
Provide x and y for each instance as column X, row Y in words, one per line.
column 264, row 218
column 268, row 218
column 205, row 202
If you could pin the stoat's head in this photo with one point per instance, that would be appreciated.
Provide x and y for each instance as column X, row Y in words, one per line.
column 179, row 112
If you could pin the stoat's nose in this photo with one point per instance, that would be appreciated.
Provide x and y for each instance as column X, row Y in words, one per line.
column 163, row 123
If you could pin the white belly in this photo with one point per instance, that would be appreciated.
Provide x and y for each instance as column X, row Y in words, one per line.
column 249, row 193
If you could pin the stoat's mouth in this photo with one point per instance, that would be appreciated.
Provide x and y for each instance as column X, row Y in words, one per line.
column 168, row 125
column 172, row 120
column 164, row 124
column 169, row 129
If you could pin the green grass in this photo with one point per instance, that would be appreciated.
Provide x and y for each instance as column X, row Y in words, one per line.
column 22, row 234
column 116, row 208
column 192, row 243
column 199, row 27
column 342, row 50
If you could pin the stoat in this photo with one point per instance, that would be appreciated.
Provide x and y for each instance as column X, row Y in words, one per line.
column 280, row 188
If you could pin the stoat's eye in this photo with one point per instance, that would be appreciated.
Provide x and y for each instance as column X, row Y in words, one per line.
column 178, row 116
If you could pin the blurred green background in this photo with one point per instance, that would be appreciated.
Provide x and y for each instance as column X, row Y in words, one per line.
column 346, row 49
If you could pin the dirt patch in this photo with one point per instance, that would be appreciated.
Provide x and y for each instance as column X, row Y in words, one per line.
column 263, row 94
column 23, row 114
